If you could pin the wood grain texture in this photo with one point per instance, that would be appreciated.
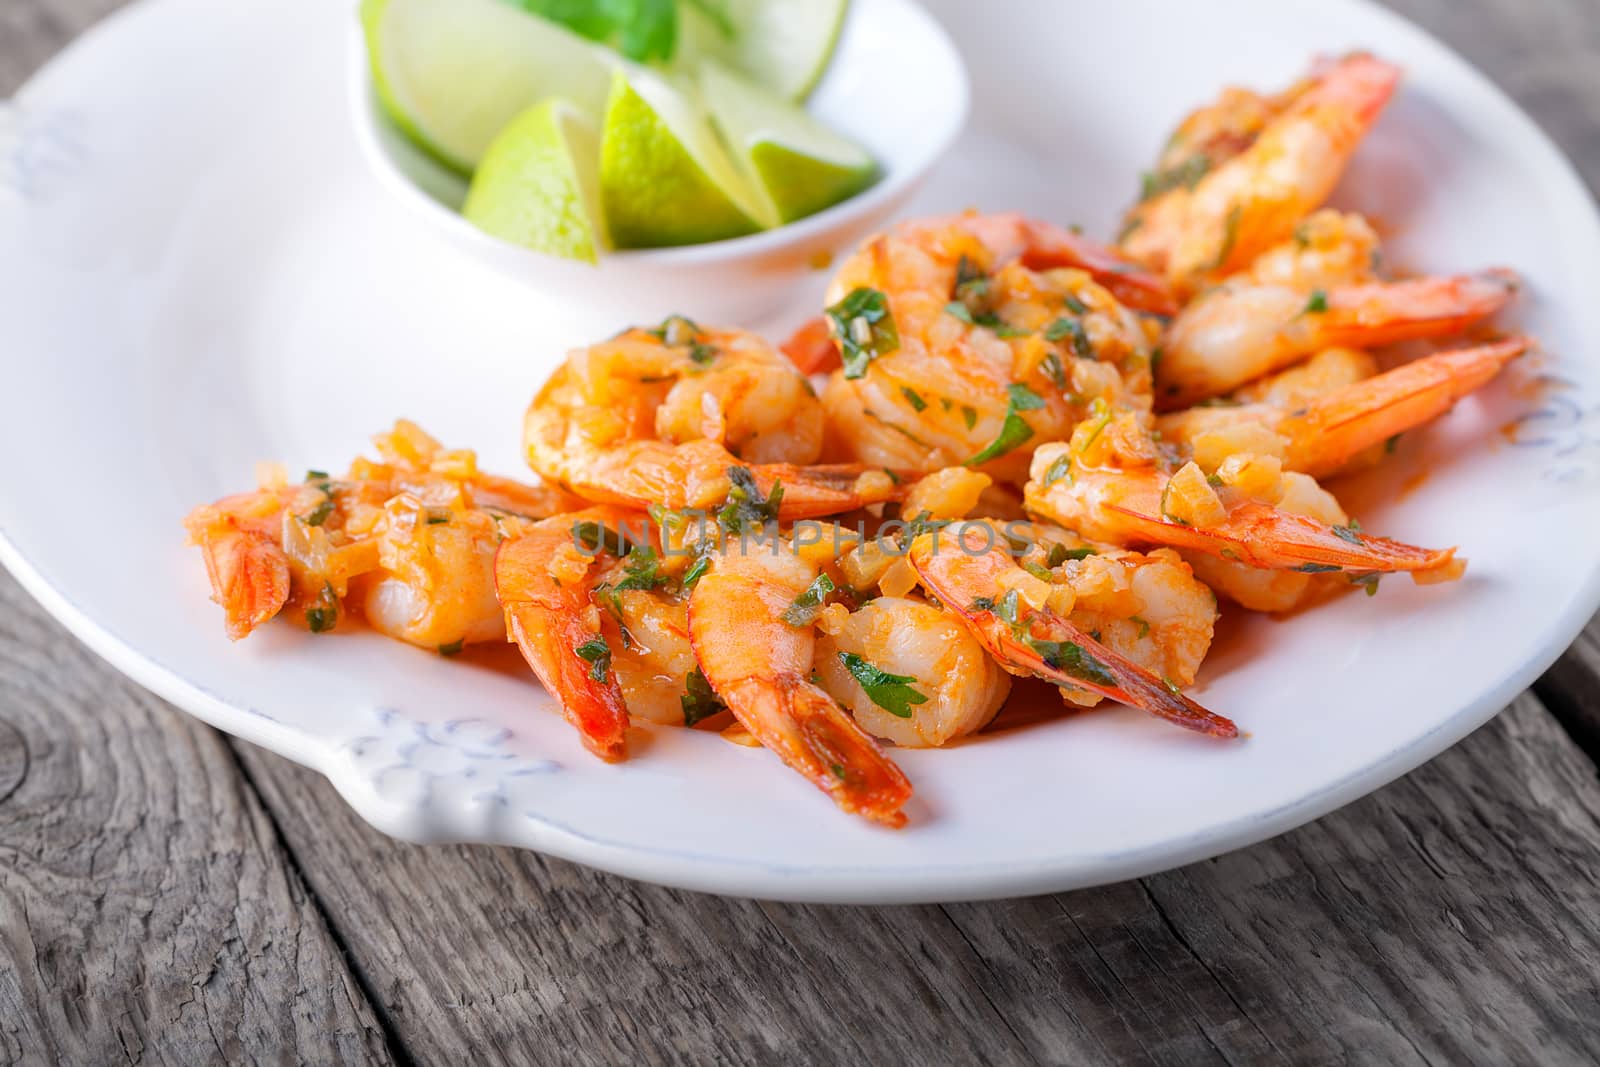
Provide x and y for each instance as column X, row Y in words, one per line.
column 147, row 910
column 1452, row 917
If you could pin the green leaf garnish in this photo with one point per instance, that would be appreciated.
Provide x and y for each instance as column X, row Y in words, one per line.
column 324, row 614
column 597, row 654
column 1318, row 303
column 746, row 507
column 1015, row 431
column 1064, row 328
column 864, row 328
column 1318, row 568
column 1069, row 657
column 913, row 398
column 699, row 701
column 891, row 692
column 805, row 608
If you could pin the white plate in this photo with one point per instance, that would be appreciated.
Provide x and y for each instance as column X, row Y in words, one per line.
column 196, row 272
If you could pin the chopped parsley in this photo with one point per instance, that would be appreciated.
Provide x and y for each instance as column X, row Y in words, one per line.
column 1064, row 328
column 988, row 320
column 1071, row 658
column 1351, row 533
column 1061, row 468
column 1074, row 305
column 702, row 353
column 316, row 476
column 641, row 569
column 1368, row 581
column 746, row 507
column 913, row 398
column 865, row 329
column 1015, row 431
column 699, row 701
column 451, row 649
column 1230, row 237
column 1051, row 365
column 1318, row 303
column 1186, row 175
column 597, row 654
column 696, row 571
column 319, row 514
column 1059, row 554
column 891, row 692
column 969, row 415
column 1318, row 568
column 324, row 614
column 804, row 609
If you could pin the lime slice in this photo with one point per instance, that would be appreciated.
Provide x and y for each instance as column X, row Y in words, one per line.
column 452, row 73
column 783, row 44
column 799, row 165
column 665, row 179
column 537, row 185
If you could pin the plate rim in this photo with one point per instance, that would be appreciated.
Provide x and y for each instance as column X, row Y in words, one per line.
column 854, row 884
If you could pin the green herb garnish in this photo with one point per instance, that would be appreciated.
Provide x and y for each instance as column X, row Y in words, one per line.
column 1064, row 328
column 451, row 649
column 746, row 506
column 1015, row 431
column 324, row 614
column 1069, row 657
column 891, row 692
column 805, row 608
column 913, row 398
column 699, row 701
column 864, row 328
column 1317, row 304
column 597, row 654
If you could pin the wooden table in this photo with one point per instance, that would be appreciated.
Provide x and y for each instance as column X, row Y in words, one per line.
column 171, row 895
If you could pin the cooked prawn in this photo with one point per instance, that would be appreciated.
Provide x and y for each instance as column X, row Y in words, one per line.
column 545, row 582
column 407, row 541
column 1239, row 332
column 660, row 417
column 1320, row 436
column 759, row 664
column 1244, row 512
column 962, row 353
column 1213, row 225
column 908, row 672
column 975, row 576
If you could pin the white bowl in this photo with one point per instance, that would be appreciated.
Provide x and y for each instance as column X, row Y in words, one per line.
column 897, row 85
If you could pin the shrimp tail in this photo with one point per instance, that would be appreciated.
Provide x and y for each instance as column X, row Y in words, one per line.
column 810, row 733
column 1331, row 430
column 248, row 568
column 550, row 621
column 1048, row 646
column 249, row 578
column 1049, row 246
column 1365, row 316
column 1258, row 535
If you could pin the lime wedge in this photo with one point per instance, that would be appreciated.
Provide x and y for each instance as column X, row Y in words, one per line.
column 537, row 185
column 799, row 165
column 783, row 44
column 665, row 179
column 452, row 73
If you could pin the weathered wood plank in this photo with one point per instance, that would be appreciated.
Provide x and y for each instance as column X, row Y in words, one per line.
column 1452, row 917
column 147, row 909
